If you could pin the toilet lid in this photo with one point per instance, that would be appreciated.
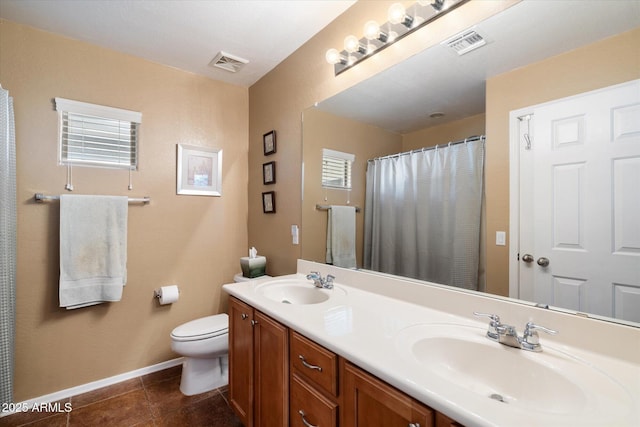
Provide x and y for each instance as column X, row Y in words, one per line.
column 203, row 328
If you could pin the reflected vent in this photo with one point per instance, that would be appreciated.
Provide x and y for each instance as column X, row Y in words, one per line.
column 466, row 42
column 228, row 62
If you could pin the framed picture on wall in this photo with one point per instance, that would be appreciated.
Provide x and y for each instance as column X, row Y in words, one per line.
column 269, row 142
column 269, row 173
column 269, row 202
column 199, row 171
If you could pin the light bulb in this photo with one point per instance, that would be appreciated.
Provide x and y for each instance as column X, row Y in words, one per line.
column 333, row 56
column 396, row 13
column 351, row 44
column 371, row 30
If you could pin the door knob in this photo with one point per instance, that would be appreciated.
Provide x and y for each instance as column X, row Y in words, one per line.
column 527, row 258
column 543, row 262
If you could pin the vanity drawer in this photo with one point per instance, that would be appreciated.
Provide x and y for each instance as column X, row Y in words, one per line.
column 308, row 407
column 314, row 363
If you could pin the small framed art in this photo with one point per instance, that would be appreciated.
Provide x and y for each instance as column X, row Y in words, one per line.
column 269, row 173
column 269, row 142
column 269, row 202
column 199, row 171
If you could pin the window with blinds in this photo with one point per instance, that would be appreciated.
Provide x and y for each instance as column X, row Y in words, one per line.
column 96, row 135
column 336, row 169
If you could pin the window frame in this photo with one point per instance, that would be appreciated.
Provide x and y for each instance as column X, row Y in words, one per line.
column 80, row 110
column 346, row 167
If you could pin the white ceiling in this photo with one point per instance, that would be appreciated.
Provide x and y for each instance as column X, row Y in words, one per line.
column 438, row 80
column 186, row 34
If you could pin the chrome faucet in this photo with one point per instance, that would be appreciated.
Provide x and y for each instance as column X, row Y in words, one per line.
column 507, row 334
column 319, row 281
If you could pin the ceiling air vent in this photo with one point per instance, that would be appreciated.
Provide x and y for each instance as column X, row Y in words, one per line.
column 228, row 62
column 466, row 42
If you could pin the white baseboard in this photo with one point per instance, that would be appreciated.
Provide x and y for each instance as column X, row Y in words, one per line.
column 84, row 388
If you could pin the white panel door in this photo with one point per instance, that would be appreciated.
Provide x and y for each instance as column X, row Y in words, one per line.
column 580, row 204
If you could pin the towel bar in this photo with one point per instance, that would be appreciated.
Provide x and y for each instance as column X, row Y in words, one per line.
column 327, row 207
column 39, row 197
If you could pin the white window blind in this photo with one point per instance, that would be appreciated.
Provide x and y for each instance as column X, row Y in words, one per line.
column 96, row 135
column 336, row 169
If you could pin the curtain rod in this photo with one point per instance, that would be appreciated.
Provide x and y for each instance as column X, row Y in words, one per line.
column 39, row 197
column 420, row 150
column 327, row 207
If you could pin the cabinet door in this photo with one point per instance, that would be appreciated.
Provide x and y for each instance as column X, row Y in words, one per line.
column 369, row 402
column 241, row 360
column 271, row 366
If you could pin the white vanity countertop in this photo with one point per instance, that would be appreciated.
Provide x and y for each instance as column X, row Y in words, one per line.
column 366, row 328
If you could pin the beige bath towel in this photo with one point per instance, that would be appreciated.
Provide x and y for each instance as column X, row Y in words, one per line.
column 341, row 236
column 93, row 249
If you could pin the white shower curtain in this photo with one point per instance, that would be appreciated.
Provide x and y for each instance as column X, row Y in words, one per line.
column 7, row 245
column 422, row 214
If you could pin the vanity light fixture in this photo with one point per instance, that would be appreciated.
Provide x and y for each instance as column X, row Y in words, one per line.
column 402, row 22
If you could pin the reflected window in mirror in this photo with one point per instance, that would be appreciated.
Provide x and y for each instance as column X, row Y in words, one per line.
column 336, row 169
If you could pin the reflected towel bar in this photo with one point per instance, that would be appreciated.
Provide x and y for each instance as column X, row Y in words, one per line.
column 327, row 207
column 39, row 197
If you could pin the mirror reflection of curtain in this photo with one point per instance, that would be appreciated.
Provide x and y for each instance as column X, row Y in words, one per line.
column 7, row 245
column 423, row 214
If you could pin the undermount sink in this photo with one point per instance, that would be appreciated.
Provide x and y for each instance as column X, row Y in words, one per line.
column 550, row 382
column 295, row 291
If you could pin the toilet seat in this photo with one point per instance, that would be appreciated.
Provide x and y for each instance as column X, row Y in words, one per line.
column 203, row 328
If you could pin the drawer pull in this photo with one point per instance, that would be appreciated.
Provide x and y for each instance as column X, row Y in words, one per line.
column 244, row 316
column 308, row 365
column 414, row 424
column 304, row 420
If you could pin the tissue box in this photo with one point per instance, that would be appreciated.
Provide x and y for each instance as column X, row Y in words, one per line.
column 253, row 267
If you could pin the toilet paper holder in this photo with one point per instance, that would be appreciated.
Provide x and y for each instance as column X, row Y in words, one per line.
column 158, row 295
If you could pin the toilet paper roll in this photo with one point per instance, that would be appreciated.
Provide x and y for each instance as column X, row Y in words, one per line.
column 168, row 294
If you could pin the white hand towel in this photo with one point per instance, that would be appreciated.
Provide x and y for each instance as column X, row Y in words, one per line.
column 93, row 249
column 341, row 236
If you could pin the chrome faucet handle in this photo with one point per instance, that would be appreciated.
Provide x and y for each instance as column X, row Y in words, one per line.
column 329, row 281
column 315, row 276
column 494, row 324
column 530, row 339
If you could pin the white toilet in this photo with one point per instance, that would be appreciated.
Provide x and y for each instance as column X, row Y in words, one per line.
column 204, row 343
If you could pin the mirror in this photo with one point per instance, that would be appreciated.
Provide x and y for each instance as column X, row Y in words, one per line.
column 392, row 111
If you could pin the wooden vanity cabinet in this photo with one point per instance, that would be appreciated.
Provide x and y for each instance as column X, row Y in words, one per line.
column 258, row 367
column 278, row 377
column 314, row 383
column 370, row 402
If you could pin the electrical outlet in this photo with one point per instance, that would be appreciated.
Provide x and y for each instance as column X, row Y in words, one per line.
column 294, row 234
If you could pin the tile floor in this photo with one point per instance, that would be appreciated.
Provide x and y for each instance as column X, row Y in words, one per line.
column 153, row 400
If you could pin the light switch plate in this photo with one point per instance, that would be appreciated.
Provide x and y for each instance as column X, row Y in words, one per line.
column 501, row 238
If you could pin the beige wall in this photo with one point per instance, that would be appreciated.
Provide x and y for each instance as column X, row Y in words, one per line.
column 279, row 98
column 324, row 130
column 189, row 240
column 611, row 61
